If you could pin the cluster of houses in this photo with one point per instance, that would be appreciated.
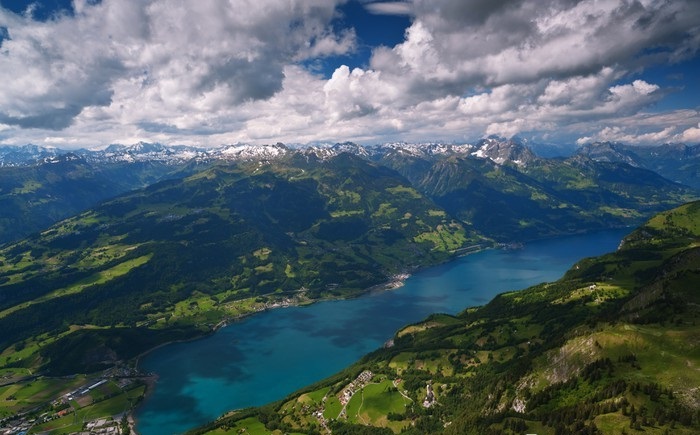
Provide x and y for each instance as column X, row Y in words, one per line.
column 429, row 396
column 19, row 427
column 61, row 406
column 350, row 389
column 101, row 426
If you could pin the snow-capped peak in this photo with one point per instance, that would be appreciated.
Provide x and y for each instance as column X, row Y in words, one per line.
column 248, row 152
column 497, row 150
column 500, row 151
column 20, row 156
column 327, row 151
column 426, row 149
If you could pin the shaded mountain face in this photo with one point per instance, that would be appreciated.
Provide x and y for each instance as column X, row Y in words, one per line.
column 677, row 162
column 40, row 186
column 500, row 151
column 537, row 197
column 610, row 348
column 35, row 196
column 299, row 228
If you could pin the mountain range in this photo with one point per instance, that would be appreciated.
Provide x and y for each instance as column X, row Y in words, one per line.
column 229, row 238
column 110, row 253
column 40, row 186
column 226, row 236
column 671, row 160
column 677, row 162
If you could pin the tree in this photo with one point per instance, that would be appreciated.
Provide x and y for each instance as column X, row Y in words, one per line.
column 126, row 429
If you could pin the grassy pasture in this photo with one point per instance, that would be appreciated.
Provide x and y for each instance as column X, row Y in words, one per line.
column 97, row 278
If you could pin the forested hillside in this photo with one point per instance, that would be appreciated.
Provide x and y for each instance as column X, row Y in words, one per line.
column 184, row 255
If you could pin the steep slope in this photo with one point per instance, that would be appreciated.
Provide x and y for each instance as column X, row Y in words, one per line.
column 501, row 151
column 610, row 348
column 677, row 162
column 34, row 196
column 183, row 255
column 40, row 186
column 532, row 198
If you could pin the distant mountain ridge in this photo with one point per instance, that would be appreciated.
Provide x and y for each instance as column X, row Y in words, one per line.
column 29, row 155
column 497, row 149
column 675, row 161
column 499, row 185
column 500, row 150
column 507, row 192
column 59, row 185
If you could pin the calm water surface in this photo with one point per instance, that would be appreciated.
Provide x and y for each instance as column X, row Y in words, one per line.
column 269, row 355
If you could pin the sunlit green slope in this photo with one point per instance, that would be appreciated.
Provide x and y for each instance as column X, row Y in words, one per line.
column 178, row 257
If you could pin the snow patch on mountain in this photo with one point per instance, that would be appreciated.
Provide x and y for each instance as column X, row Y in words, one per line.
column 17, row 156
column 500, row 151
column 247, row 152
column 427, row 149
column 609, row 152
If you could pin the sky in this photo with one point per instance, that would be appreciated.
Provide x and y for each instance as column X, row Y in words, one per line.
column 89, row 73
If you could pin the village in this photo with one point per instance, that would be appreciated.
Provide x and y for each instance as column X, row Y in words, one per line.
column 98, row 406
column 325, row 412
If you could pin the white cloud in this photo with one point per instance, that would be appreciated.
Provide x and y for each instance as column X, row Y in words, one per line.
column 617, row 134
column 348, row 93
column 330, row 44
column 690, row 135
column 580, row 91
column 179, row 53
column 649, row 129
column 584, row 140
column 637, row 88
column 470, row 43
column 390, row 7
column 216, row 72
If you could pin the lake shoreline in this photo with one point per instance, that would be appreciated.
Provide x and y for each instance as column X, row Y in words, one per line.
column 395, row 282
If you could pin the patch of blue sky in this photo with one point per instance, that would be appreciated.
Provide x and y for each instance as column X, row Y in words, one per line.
column 681, row 80
column 371, row 30
column 40, row 11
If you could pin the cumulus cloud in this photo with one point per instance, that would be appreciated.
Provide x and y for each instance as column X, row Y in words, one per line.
column 617, row 134
column 691, row 135
column 457, row 44
column 179, row 53
column 216, row 71
column 649, row 129
column 526, row 65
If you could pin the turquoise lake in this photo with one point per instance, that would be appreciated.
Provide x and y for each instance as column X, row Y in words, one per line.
column 271, row 354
